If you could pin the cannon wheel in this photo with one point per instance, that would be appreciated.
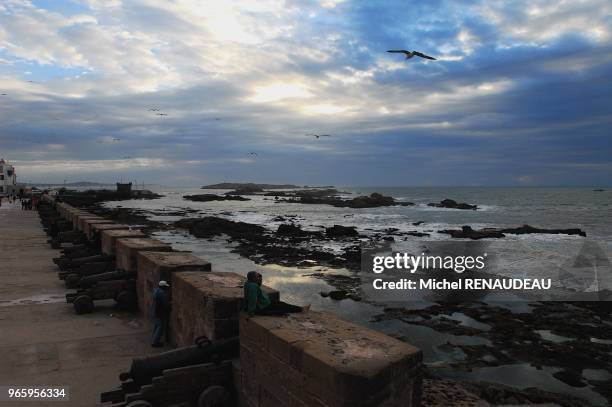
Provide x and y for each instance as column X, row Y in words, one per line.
column 139, row 403
column 126, row 300
column 214, row 396
column 83, row 304
column 72, row 280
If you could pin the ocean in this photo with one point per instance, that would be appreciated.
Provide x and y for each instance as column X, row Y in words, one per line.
column 531, row 255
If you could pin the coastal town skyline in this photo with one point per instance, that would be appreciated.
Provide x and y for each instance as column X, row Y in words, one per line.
column 193, row 93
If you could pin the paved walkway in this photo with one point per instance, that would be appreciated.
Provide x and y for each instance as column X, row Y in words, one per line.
column 42, row 341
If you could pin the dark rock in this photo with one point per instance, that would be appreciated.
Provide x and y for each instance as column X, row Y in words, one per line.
column 341, row 231
column 290, row 229
column 240, row 185
column 373, row 201
column 468, row 232
column 91, row 197
column 526, row 229
column 418, row 223
column 211, row 226
column 245, row 190
column 570, row 378
column 338, row 295
column 417, row 234
column 452, row 204
column 213, row 197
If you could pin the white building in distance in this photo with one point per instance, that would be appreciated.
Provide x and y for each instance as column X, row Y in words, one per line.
column 8, row 179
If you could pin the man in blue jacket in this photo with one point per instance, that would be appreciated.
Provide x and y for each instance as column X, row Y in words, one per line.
column 161, row 313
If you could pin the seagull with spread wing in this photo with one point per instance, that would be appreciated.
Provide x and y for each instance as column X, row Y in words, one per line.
column 410, row 54
column 319, row 135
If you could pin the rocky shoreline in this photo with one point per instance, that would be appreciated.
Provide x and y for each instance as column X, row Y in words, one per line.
column 512, row 337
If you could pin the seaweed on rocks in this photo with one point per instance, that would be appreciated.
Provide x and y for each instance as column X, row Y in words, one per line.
column 213, row 197
column 514, row 336
column 469, row 233
column 290, row 245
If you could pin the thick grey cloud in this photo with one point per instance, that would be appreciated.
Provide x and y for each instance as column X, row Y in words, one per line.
column 520, row 93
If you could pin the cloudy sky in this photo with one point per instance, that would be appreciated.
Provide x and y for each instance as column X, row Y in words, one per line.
column 521, row 93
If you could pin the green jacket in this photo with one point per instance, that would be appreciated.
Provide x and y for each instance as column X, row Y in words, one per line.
column 255, row 298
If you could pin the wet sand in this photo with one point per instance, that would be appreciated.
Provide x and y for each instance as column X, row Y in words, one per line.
column 42, row 341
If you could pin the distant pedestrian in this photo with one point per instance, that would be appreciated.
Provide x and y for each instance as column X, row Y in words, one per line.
column 161, row 313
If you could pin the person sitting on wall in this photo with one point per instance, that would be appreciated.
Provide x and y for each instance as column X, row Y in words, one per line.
column 257, row 302
column 161, row 313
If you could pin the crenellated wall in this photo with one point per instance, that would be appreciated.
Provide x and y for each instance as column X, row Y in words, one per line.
column 207, row 304
column 156, row 266
column 310, row 359
column 109, row 238
column 126, row 251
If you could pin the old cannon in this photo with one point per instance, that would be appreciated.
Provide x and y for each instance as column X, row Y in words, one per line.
column 122, row 291
column 67, row 237
column 72, row 278
column 200, row 375
column 91, row 280
column 144, row 369
column 79, row 250
column 69, row 264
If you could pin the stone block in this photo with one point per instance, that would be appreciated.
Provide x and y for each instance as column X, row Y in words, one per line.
column 81, row 218
column 155, row 266
column 98, row 228
column 207, row 304
column 318, row 359
column 71, row 215
column 109, row 238
column 88, row 226
column 126, row 251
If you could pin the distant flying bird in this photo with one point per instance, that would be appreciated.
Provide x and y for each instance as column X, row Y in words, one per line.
column 162, row 114
column 318, row 135
column 4, row 94
column 410, row 54
column 253, row 153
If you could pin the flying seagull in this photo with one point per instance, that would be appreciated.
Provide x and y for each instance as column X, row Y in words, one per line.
column 318, row 135
column 410, row 54
column 253, row 153
column 162, row 114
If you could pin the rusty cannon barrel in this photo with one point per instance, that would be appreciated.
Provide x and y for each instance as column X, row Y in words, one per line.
column 122, row 291
column 91, row 280
column 72, row 278
column 69, row 264
column 75, row 251
column 57, row 226
column 74, row 254
column 67, row 237
column 144, row 369
column 71, row 236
